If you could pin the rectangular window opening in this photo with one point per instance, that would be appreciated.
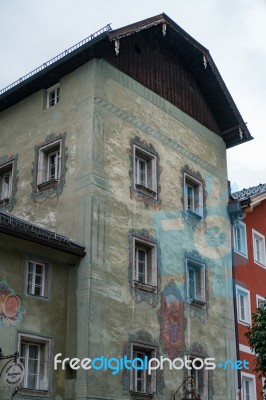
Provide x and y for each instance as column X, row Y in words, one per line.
column 193, row 195
column 53, row 95
column 38, row 279
column 145, row 172
column 140, row 381
column 6, row 176
column 34, row 353
column 196, row 282
column 144, row 265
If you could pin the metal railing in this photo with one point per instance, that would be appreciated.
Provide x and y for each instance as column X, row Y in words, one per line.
column 106, row 28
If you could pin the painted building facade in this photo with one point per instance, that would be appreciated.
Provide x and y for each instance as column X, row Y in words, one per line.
column 120, row 145
column 250, row 274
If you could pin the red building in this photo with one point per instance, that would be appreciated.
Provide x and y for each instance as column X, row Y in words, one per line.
column 249, row 230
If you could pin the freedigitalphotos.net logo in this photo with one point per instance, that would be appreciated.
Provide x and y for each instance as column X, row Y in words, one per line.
column 148, row 364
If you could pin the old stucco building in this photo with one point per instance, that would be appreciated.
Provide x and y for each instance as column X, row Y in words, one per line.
column 120, row 144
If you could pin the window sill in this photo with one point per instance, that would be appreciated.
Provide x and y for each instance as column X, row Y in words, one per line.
column 260, row 264
column 145, row 190
column 5, row 201
column 35, row 296
column 141, row 396
column 194, row 215
column 245, row 323
column 33, row 392
column 143, row 286
column 241, row 254
column 48, row 184
column 197, row 303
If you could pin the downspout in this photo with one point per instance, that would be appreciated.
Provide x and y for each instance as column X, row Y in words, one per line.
column 234, row 210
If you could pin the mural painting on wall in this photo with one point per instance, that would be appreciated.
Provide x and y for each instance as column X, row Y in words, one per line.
column 172, row 321
column 11, row 306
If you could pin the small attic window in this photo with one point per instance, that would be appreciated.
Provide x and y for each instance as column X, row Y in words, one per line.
column 53, row 95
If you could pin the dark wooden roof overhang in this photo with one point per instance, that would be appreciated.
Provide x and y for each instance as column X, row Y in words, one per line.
column 195, row 58
column 19, row 228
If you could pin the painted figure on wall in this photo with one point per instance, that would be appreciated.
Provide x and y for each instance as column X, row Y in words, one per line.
column 11, row 306
column 172, row 321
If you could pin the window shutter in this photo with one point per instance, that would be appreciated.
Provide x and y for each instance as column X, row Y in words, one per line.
column 150, row 175
column 153, row 376
column 150, row 276
column 40, row 167
column 132, row 373
column 154, row 174
column 135, row 170
column 154, row 266
column 59, row 163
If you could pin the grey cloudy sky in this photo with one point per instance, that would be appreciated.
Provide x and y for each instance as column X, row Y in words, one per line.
column 33, row 31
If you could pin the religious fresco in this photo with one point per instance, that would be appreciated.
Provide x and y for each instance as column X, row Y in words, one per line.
column 11, row 306
column 173, row 324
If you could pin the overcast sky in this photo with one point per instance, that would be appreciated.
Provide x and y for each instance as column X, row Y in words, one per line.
column 33, row 31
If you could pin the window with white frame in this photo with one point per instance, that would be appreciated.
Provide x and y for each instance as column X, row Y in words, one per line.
column 193, row 195
column 243, row 305
column 258, row 247
column 248, row 387
column 240, row 238
column 49, row 164
column 145, row 171
column 34, row 354
column 53, row 95
column 6, row 174
column 140, row 381
column 38, row 278
column 195, row 276
column 261, row 301
column 144, row 264
column 199, row 375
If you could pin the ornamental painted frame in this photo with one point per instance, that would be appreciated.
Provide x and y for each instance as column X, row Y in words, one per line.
column 57, row 188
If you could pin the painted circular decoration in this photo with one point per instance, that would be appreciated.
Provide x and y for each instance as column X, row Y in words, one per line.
column 13, row 373
column 10, row 305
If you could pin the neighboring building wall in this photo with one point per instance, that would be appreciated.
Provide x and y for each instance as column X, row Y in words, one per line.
column 250, row 277
column 101, row 114
column 39, row 320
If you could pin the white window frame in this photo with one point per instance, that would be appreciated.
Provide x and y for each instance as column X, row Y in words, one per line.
column 201, row 375
column 240, row 242
column 243, row 305
column 44, row 360
column 149, row 381
column 150, row 264
column 45, row 152
column 32, row 286
column 259, row 299
column 6, row 170
column 150, row 185
column 196, row 187
column 199, row 295
column 263, row 382
column 258, row 248
column 251, row 379
column 56, row 90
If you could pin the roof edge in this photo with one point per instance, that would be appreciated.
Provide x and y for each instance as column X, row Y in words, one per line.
column 23, row 229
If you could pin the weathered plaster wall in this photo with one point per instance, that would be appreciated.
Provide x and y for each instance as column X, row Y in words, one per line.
column 129, row 110
column 102, row 110
column 43, row 317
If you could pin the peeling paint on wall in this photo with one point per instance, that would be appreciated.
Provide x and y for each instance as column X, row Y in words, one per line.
column 11, row 306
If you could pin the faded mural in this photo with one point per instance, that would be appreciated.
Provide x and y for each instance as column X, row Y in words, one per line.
column 11, row 306
column 172, row 321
